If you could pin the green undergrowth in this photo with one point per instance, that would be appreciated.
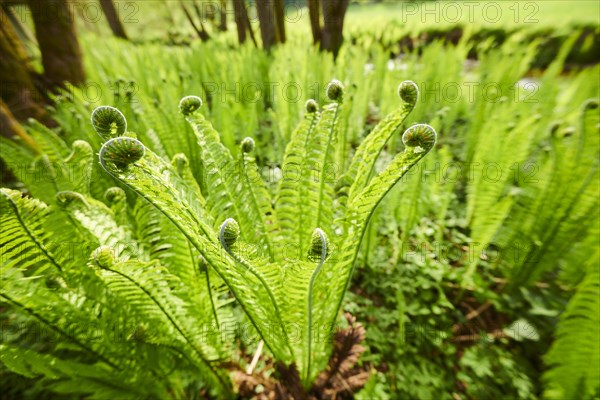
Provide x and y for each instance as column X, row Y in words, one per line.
column 478, row 274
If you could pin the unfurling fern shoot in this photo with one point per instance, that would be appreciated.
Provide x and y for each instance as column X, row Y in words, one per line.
column 189, row 105
column 248, row 145
column 229, row 233
column 420, row 137
column 275, row 290
column 109, row 122
column 318, row 252
column 311, row 106
column 335, row 90
column 114, row 195
column 104, row 257
column 121, row 152
column 408, row 92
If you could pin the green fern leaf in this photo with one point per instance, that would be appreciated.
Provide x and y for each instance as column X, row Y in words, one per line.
column 290, row 205
column 363, row 163
column 145, row 178
column 23, row 242
column 574, row 358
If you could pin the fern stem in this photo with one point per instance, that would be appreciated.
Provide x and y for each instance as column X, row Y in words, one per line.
column 212, row 302
column 255, row 358
column 415, row 136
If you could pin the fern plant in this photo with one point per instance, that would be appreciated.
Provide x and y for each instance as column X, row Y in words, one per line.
column 166, row 257
column 280, row 292
column 574, row 357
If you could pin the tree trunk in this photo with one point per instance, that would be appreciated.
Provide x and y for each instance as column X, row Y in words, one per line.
column 268, row 27
column 223, row 16
column 201, row 32
column 315, row 24
column 250, row 31
column 10, row 128
column 108, row 8
column 239, row 11
column 18, row 90
column 333, row 19
column 22, row 32
column 57, row 38
column 242, row 22
column 279, row 16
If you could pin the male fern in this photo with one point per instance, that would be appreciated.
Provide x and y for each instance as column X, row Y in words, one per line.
column 164, row 260
column 281, row 292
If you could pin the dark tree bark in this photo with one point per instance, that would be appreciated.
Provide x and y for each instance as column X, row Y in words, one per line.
column 18, row 90
column 315, row 24
column 268, row 26
column 201, row 32
column 333, row 25
column 22, row 31
column 242, row 22
column 223, row 16
column 239, row 13
column 57, row 38
column 279, row 16
column 113, row 18
column 331, row 35
column 10, row 128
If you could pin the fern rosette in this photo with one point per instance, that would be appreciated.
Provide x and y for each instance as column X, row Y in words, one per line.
column 268, row 283
column 227, row 232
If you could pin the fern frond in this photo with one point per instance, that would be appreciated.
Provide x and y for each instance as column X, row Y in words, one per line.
column 165, row 243
column 58, row 170
column 116, row 198
column 184, row 171
column 562, row 206
column 318, row 252
column 574, row 358
column 49, row 142
column 73, row 377
column 63, row 312
column 80, row 166
column 259, row 196
column 95, row 217
column 146, row 287
column 225, row 188
column 146, row 179
column 290, row 202
column 268, row 276
column 321, row 165
column 24, row 242
column 418, row 141
column 297, row 276
column 363, row 162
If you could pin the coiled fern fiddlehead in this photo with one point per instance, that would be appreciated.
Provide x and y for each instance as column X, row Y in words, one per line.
column 318, row 252
column 278, row 290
